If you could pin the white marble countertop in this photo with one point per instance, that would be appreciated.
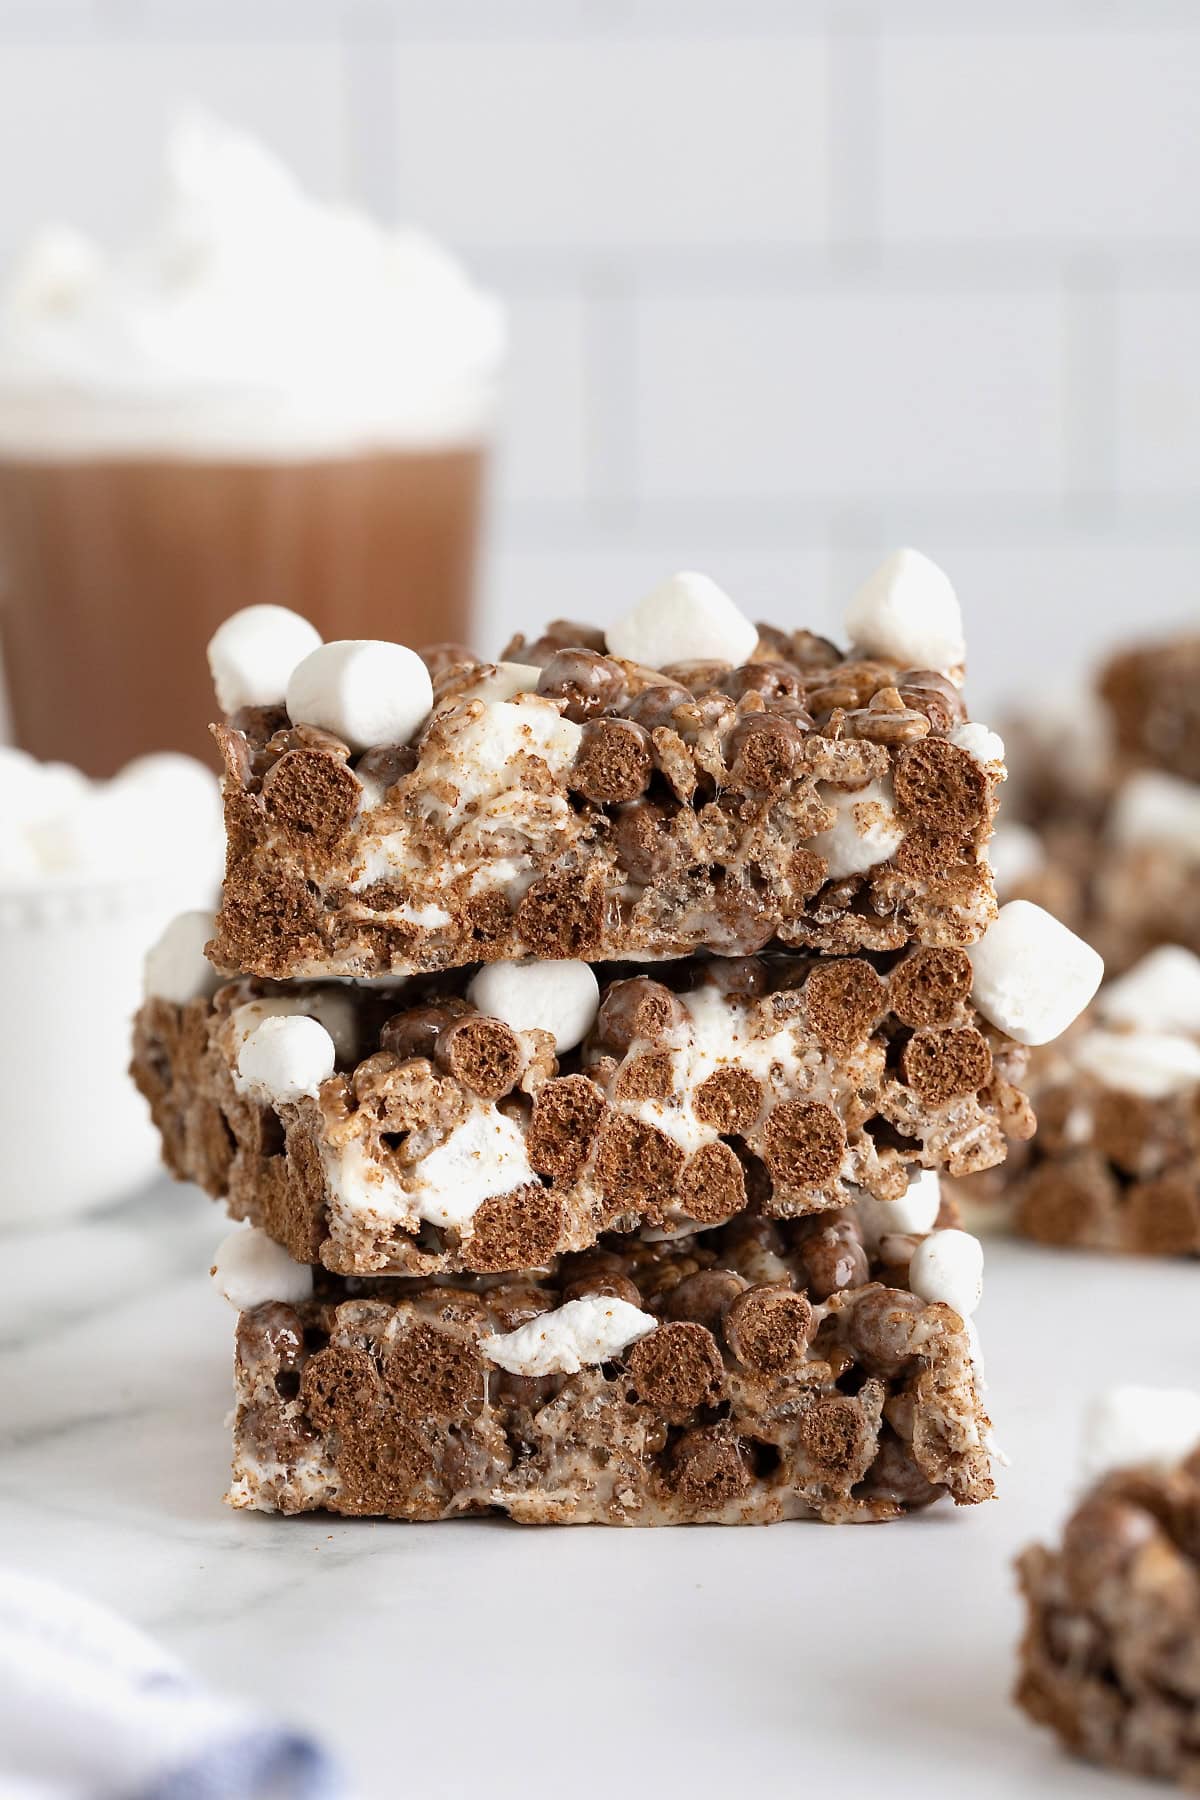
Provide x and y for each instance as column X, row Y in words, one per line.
column 445, row 1660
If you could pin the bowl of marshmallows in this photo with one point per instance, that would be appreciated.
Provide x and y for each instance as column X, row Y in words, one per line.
column 90, row 874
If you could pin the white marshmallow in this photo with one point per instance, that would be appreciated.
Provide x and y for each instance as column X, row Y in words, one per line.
column 1016, row 855
column 915, row 1211
column 687, row 619
column 366, row 692
column 866, row 831
column 1154, row 809
column 1032, row 975
column 581, row 1333
column 1152, row 1064
column 252, row 655
column 331, row 1007
column 1139, row 1427
column 250, row 1269
column 978, row 741
column 1160, row 993
column 176, row 967
column 908, row 612
column 504, row 681
column 948, row 1266
column 562, row 998
column 284, row 1059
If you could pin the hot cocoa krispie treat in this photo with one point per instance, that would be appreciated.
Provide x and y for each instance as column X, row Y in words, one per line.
column 810, row 1369
column 1110, row 1659
column 1101, row 819
column 493, row 1121
column 685, row 782
column 1115, row 1164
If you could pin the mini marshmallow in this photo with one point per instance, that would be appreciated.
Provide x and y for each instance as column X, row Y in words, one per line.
column 687, row 619
column 331, row 1007
column 948, row 1266
column 366, row 692
column 866, row 831
column 1032, row 975
column 908, row 613
column 1154, row 809
column 915, row 1211
column 978, row 741
column 253, row 653
column 504, row 681
column 285, row 1058
column 562, row 998
column 1152, row 1064
column 1131, row 1427
column 250, row 1269
column 1160, row 993
column 1016, row 855
column 176, row 967
column 575, row 1336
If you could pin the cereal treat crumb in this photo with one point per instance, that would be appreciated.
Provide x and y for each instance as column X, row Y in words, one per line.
column 1110, row 1659
column 744, row 1375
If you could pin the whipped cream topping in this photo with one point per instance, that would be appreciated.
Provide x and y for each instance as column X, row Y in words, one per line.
column 160, row 815
column 255, row 322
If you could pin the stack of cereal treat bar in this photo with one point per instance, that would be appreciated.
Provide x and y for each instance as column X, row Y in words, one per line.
column 594, row 1027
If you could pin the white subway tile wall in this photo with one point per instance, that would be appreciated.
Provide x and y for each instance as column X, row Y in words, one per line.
column 791, row 281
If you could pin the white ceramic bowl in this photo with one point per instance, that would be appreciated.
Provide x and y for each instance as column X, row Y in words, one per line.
column 74, row 1132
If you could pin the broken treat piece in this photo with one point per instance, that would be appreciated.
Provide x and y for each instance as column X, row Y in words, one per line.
column 704, row 1380
column 450, row 1138
column 1110, row 1659
column 695, row 783
column 1115, row 1164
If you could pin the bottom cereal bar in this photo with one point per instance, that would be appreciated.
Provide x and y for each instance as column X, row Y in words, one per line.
column 761, row 1372
column 1110, row 1659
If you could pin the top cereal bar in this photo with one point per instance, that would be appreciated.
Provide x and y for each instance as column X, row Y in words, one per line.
column 686, row 782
